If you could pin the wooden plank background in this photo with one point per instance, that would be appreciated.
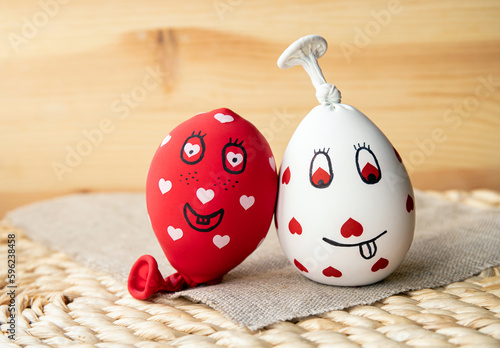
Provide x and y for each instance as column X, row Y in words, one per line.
column 88, row 89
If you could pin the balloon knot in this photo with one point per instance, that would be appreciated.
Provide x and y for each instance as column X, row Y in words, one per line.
column 328, row 94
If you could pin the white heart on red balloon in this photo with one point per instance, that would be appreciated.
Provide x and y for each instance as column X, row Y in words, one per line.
column 234, row 159
column 246, row 201
column 272, row 163
column 221, row 241
column 165, row 140
column 164, row 185
column 205, row 196
column 223, row 118
column 174, row 233
column 191, row 149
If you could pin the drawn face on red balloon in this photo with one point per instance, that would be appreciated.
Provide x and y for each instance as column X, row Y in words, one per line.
column 211, row 192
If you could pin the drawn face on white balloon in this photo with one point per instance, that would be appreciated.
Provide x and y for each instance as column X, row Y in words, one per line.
column 345, row 212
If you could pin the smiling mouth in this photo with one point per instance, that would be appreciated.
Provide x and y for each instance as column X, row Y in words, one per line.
column 202, row 223
column 367, row 249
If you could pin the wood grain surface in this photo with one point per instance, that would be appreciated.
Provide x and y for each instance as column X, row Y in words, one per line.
column 89, row 89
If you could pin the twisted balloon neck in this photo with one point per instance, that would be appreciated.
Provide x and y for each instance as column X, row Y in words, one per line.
column 328, row 94
column 306, row 51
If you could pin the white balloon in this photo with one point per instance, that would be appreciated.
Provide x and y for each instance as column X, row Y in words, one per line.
column 345, row 211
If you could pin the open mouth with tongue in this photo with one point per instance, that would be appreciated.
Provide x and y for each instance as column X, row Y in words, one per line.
column 367, row 249
column 202, row 223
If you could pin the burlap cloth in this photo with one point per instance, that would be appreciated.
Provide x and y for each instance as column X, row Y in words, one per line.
column 108, row 232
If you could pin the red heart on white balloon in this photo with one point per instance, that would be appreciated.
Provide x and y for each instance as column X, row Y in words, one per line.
column 285, row 179
column 380, row 264
column 300, row 266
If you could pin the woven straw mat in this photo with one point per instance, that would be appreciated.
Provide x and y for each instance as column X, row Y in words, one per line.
column 61, row 303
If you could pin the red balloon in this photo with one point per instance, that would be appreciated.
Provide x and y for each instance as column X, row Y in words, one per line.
column 211, row 192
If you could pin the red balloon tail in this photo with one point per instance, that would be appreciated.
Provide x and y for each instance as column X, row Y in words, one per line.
column 145, row 279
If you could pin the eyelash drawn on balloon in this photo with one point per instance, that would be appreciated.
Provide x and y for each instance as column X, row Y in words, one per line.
column 324, row 151
column 197, row 135
column 234, row 143
column 364, row 146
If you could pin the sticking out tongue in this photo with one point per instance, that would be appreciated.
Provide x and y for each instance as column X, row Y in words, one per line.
column 368, row 249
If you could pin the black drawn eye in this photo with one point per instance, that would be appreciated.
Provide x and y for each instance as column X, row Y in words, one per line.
column 234, row 157
column 367, row 164
column 193, row 149
column 320, row 170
